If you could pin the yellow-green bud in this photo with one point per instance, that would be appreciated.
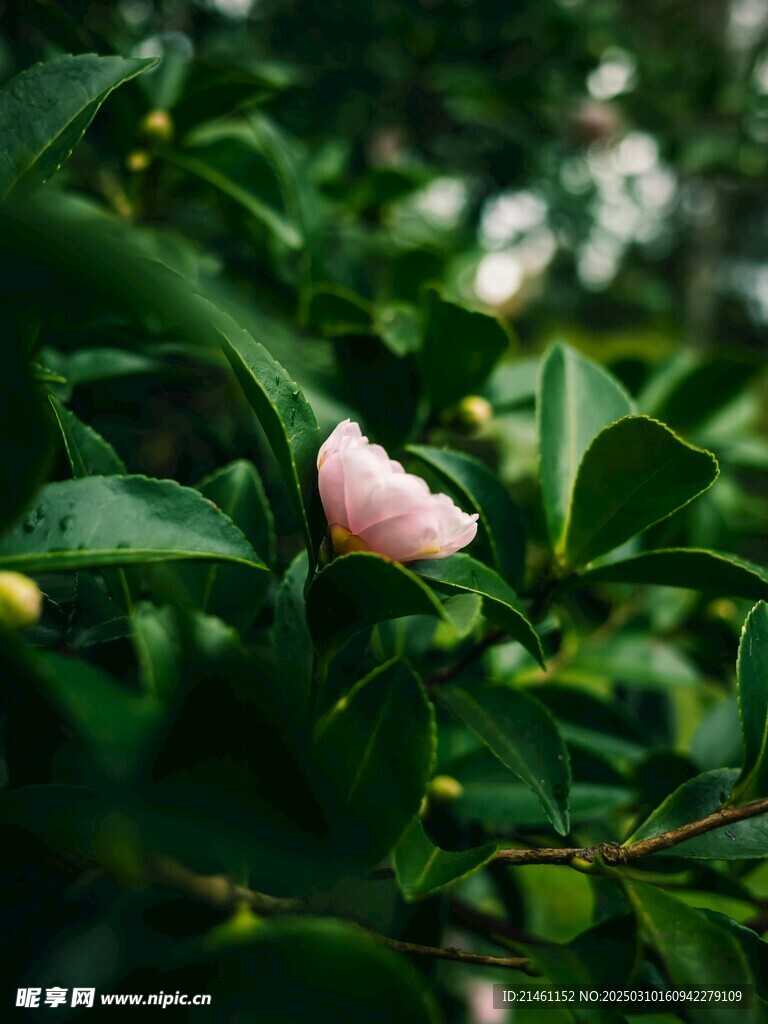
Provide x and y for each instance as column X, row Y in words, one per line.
column 157, row 126
column 20, row 601
column 474, row 410
column 444, row 789
column 138, row 160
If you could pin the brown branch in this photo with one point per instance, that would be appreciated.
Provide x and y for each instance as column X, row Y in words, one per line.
column 219, row 892
column 615, row 854
column 514, row 963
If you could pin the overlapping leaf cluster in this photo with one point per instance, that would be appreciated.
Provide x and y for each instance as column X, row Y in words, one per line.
column 357, row 740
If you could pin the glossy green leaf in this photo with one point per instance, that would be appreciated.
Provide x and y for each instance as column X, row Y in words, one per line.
column 44, row 112
column 522, row 734
column 463, row 574
column 692, row 568
column 117, row 725
column 695, row 951
column 752, row 672
column 338, row 969
column 375, row 749
column 500, row 520
column 460, row 348
column 88, row 452
column 358, row 590
column 697, row 799
column 121, row 521
column 285, row 415
column 423, row 869
column 292, row 640
column 635, row 473
column 575, row 400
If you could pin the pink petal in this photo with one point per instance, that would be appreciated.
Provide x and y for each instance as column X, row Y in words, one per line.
column 374, row 492
column 332, row 490
column 346, row 435
column 403, row 537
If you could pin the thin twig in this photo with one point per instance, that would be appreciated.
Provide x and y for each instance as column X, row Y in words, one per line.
column 615, row 854
column 219, row 892
column 514, row 963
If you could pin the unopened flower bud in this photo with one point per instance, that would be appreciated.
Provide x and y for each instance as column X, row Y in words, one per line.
column 444, row 789
column 138, row 160
column 157, row 126
column 20, row 601
column 474, row 411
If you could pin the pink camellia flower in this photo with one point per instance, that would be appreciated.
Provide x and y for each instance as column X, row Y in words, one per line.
column 372, row 504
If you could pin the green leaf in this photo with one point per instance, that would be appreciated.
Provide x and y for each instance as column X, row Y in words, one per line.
column 691, row 568
column 575, row 400
column 233, row 592
column 400, row 326
column 460, row 349
column 285, row 415
column 423, row 869
column 117, row 725
column 156, row 641
column 375, row 750
column 127, row 520
column 635, row 473
column 93, row 247
column 697, row 799
column 292, row 640
column 594, row 724
column 492, row 798
column 27, row 431
column 360, row 589
column 695, row 951
column 603, row 957
column 44, row 112
column 755, row 949
column 334, row 311
column 522, row 734
column 462, row 573
column 635, row 659
column 500, row 518
column 207, row 165
column 88, row 453
column 91, row 365
column 752, row 672
column 339, row 970
column 66, row 818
